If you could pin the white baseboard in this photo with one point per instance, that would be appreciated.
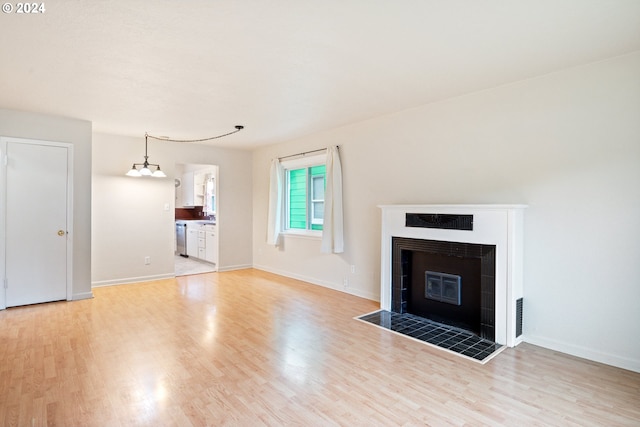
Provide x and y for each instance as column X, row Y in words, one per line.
column 82, row 295
column 234, row 267
column 314, row 281
column 126, row 280
column 585, row 353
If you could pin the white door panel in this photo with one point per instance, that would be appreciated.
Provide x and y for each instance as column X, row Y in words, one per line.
column 36, row 223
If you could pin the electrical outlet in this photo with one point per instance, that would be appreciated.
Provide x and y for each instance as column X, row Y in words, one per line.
column 346, row 283
column 147, row 260
column 353, row 269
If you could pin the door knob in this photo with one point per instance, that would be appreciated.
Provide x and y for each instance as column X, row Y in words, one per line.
column 61, row 233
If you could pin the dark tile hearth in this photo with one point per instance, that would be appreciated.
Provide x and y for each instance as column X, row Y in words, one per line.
column 444, row 336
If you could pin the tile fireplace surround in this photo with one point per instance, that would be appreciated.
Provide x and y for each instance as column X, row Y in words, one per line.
column 499, row 225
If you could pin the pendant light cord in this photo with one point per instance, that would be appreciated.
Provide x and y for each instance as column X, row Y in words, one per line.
column 160, row 138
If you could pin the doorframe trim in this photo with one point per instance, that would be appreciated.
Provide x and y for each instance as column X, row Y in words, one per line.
column 4, row 140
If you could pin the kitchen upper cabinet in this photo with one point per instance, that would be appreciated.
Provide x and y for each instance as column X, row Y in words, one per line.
column 197, row 188
column 188, row 190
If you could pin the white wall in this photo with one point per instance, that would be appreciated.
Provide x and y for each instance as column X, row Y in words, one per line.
column 129, row 220
column 77, row 132
column 567, row 144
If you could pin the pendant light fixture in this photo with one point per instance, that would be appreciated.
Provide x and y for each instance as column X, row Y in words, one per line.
column 145, row 171
column 157, row 173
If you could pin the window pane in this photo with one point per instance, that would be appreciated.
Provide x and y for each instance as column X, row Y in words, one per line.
column 318, row 212
column 317, row 190
column 297, row 202
column 305, row 197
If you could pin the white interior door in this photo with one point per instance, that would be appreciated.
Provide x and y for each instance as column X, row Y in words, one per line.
column 36, row 230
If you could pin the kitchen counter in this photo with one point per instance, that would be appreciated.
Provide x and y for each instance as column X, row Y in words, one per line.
column 195, row 221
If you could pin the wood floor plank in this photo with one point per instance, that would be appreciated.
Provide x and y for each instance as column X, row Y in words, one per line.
column 249, row 348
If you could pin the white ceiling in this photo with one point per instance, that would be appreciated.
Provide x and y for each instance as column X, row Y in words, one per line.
column 287, row 68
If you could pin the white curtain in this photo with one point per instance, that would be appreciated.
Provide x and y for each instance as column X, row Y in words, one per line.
column 276, row 188
column 332, row 227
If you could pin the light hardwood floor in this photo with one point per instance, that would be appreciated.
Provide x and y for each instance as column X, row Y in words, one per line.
column 249, row 348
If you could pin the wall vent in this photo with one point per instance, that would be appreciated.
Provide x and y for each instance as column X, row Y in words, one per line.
column 442, row 221
column 518, row 317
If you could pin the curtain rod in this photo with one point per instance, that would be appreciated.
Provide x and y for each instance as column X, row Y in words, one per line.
column 304, row 153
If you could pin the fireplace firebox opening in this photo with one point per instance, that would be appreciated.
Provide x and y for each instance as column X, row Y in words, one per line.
column 447, row 282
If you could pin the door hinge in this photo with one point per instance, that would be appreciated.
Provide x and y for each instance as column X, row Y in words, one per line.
column 6, row 283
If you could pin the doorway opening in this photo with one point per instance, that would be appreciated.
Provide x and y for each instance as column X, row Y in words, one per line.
column 196, row 218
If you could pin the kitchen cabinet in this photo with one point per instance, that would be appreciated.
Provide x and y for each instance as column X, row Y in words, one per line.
column 202, row 241
column 192, row 241
column 193, row 189
column 211, row 244
column 188, row 190
column 199, row 188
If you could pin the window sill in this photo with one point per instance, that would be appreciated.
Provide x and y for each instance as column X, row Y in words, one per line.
column 303, row 234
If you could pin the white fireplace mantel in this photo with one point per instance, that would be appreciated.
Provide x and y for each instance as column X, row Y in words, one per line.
column 499, row 225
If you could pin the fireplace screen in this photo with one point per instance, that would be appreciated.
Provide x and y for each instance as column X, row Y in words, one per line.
column 443, row 287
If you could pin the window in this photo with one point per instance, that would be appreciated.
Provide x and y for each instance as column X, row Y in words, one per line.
column 305, row 197
column 297, row 191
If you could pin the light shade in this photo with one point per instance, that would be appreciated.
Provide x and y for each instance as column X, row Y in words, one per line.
column 158, row 173
column 134, row 172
